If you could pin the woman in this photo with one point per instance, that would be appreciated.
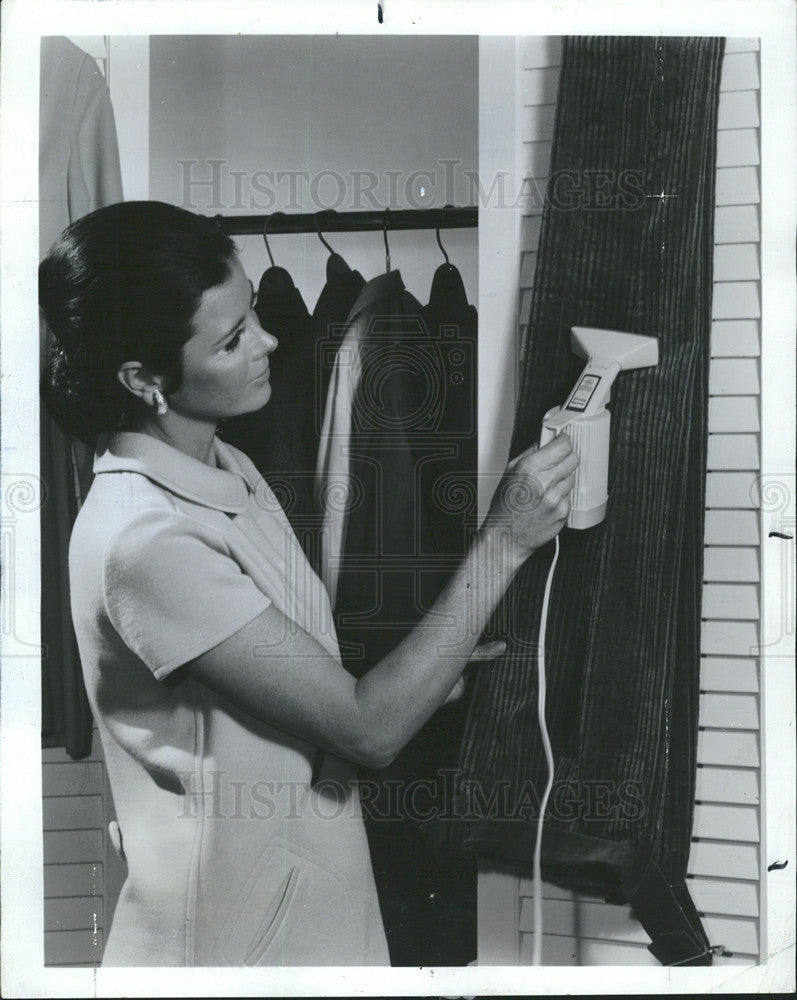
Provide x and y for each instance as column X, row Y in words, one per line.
column 206, row 639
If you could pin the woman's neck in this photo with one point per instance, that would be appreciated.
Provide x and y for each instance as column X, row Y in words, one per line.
column 193, row 437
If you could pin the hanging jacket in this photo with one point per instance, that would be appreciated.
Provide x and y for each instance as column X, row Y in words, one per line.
column 391, row 468
column 79, row 168
column 337, row 490
column 399, row 440
column 334, row 304
column 451, row 480
column 280, row 438
column 79, row 172
column 383, row 412
column 447, row 484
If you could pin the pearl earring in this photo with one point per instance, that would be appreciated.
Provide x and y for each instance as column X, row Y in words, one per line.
column 159, row 402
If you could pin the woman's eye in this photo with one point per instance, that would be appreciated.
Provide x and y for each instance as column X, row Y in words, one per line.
column 233, row 342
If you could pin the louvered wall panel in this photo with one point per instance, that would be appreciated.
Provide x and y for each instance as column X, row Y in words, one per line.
column 727, row 748
column 737, row 224
column 735, row 338
column 738, row 148
column 79, row 914
column 732, row 490
column 719, row 784
column 75, row 857
column 72, row 880
column 731, row 527
column 731, row 600
column 73, row 948
column 736, row 673
column 570, row 951
column 725, row 862
column 735, row 413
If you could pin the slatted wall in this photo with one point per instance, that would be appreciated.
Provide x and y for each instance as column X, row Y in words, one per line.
column 726, row 862
column 74, row 858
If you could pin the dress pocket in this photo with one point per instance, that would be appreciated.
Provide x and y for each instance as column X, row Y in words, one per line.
column 252, row 908
column 273, row 919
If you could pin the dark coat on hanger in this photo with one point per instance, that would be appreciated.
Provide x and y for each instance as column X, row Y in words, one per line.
column 398, row 553
column 451, row 480
column 331, row 311
column 281, row 439
column 393, row 428
column 412, row 457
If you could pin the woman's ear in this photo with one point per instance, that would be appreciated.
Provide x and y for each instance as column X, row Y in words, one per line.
column 137, row 380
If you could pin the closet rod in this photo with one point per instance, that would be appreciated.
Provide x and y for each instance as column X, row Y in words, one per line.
column 331, row 221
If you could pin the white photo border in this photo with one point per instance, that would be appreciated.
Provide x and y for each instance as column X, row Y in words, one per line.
column 23, row 23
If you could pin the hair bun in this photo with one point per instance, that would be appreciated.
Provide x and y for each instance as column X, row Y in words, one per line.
column 79, row 396
column 69, row 351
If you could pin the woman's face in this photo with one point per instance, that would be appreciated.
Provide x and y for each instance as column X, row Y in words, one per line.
column 225, row 362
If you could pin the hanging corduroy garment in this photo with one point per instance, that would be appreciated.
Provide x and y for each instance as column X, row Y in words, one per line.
column 626, row 244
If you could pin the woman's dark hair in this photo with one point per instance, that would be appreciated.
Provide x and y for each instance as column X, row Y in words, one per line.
column 123, row 284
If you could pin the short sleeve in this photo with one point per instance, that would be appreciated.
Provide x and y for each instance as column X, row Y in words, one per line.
column 172, row 590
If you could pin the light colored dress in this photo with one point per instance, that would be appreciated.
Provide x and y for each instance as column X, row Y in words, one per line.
column 234, row 856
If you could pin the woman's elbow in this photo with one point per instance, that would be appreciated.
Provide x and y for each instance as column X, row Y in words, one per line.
column 374, row 737
column 380, row 758
column 373, row 751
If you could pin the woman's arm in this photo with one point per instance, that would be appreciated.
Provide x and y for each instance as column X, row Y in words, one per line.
column 284, row 677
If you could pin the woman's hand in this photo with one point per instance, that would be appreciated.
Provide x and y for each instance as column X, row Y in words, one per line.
column 481, row 654
column 532, row 501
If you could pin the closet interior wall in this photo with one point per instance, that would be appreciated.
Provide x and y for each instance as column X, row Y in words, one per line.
column 726, row 861
column 256, row 125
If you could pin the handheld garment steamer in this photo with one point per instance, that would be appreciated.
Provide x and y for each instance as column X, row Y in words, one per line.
column 586, row 421
column 584, row 416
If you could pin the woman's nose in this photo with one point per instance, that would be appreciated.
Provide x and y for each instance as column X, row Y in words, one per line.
column 268, row 341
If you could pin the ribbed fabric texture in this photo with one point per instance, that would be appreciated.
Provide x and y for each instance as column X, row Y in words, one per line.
column 626, row 244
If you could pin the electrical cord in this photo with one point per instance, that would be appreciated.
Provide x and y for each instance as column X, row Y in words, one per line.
column 546, row 742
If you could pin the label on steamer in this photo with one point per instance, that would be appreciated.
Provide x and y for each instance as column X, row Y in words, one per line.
column 583, row 393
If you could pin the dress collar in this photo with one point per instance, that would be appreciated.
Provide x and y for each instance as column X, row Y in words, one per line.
column 225, row 487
